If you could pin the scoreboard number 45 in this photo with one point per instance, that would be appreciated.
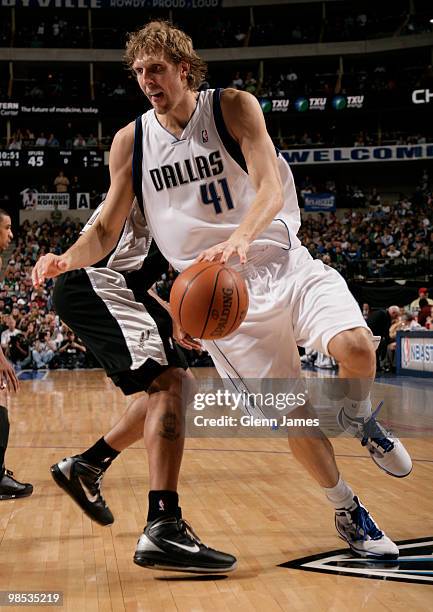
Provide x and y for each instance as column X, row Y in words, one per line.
column 35, row 160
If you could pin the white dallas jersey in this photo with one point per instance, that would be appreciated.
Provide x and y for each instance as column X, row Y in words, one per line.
column 195, row 190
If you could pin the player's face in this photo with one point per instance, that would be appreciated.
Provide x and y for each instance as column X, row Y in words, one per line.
column 5, row 231
column 161, row 81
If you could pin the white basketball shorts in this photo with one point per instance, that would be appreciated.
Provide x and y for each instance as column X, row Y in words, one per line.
column 294, row 300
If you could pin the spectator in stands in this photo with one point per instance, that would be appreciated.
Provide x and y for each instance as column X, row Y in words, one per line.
column 91, row 141
column 392, row 252
column 425, row 312
column 250, row 83
column 237, row 82
column 379, row 321
column 56, row 214
column 414, row 306
column 95, row 199
column 71, row 352
column 61, row 182
column 18, row 351
column 79, row 142
column 30, row 333
column 239, row 35
column 58, row 334
column 374, row 199
column 360, row 140
column 52, row 141
column 43, row 350
column 15, row 143
column 40, row 32
column 410, row 322
column 296, row 34
column 75, row 185
column 14, row 344
column 119, row 91
column 69, row 134
column 8, row 333
column 41, row 140
column 36, row 92
column 397, row 325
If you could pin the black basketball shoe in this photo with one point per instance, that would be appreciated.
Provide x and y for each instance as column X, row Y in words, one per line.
column 82, row 481
column 170, row 544
column 10, row 488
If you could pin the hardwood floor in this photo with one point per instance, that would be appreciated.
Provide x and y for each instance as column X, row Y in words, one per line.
column 246, row 496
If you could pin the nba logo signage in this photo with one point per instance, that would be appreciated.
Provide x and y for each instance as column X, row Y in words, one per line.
column 405, row 352
column 417, row 353
column 204, row 136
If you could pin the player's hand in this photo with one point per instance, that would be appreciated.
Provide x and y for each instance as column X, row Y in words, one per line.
column 8, row 378
column 184, row 339
column 48, row 266
column 224, row 250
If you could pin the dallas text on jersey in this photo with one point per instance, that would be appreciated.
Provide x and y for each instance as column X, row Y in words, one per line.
column 187, row 171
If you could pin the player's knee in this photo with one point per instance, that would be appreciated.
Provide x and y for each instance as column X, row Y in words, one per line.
column 358, row 354
column 174, row 382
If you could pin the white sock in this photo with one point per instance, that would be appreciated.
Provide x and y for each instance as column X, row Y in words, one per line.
column 357, row 409
column 340, row 496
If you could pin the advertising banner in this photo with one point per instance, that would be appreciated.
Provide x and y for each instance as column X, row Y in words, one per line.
column 44, row 201
column 344, row 155
column 415, row 353
column 319, row 202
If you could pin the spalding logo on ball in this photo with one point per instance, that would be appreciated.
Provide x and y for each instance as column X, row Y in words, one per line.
column 209, row 300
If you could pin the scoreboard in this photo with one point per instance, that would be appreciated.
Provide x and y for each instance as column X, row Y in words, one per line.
column 51, row 158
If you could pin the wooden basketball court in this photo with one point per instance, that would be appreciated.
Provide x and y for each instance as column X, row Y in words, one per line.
column 244, row 496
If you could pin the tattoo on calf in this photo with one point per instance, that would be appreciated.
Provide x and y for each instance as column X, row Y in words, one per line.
column 169, row 424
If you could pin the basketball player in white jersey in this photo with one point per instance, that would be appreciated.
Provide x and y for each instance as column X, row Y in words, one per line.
column 129, row 333
column 205, row 172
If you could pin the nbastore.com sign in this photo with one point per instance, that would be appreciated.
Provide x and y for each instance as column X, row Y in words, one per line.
column 359, row 154
column 417, row 354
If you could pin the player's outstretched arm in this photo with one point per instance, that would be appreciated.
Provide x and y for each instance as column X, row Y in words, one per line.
column 245, row 122
column 101, row 237
column 179, row 334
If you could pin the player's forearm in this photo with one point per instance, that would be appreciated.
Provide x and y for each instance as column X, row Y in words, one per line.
column 91, row 247
column 166, row 305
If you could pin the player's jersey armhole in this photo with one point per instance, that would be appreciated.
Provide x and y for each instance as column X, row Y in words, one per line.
column 230, row 144
column 288, row 233
column 137, row 163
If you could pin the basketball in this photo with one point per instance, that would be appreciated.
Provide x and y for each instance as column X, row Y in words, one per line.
column 209, row 300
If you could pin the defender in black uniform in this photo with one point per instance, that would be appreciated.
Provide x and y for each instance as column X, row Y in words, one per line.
column 108, row 306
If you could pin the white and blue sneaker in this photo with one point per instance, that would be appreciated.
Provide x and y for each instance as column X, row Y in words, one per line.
column 358, row 529
column 387, row 451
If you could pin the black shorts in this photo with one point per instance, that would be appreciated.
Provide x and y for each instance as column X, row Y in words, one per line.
column 127, row 331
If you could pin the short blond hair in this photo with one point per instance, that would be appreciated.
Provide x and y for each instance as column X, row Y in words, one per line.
column 176, row 45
